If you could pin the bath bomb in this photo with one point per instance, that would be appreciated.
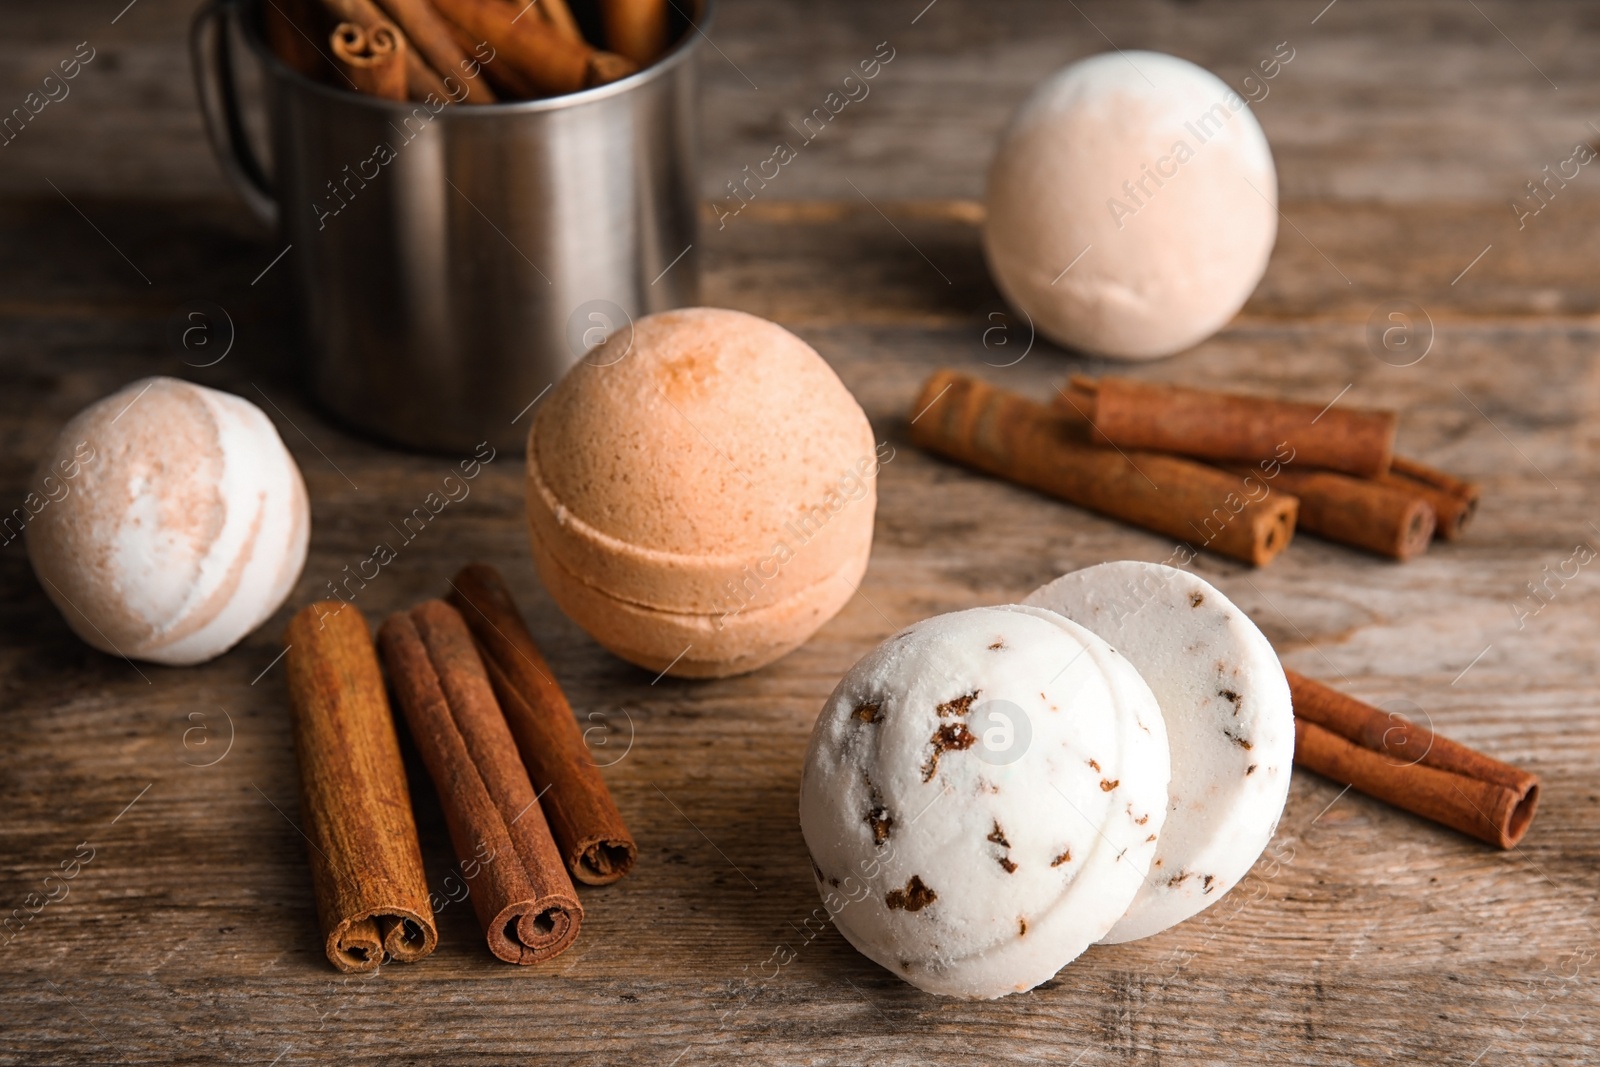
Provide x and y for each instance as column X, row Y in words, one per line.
column 1131, row 206
column 1229, row 719
column 982, row 798
column 705, row 501
column 181, row 528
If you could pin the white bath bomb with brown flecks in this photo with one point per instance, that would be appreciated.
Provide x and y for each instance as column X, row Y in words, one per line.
column 982, row 797
column 183, row 526
column 1131, row 206
column 1229, row 720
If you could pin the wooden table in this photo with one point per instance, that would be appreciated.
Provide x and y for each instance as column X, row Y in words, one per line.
column 1402, row 133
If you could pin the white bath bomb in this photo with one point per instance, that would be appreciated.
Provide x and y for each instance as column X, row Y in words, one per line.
column 982, row 797
column 1229, row 720
column 174, row 522
column 1150, row 179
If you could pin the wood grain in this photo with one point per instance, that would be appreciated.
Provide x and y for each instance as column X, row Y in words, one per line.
column 1366, row 936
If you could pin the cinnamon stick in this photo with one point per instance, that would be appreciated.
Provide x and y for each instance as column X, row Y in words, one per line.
column 542, row 54
column 374, row 60
column 594, row 841
column 422, row 81
column 559, row 15
column 509, row 82
column 636, row 29
column 524, row 900
column 1409, row 766
column 1371, row 515
column 366, row 865
column 432, row 41
column 1233, row 428
column 1022, row 441
column 1454, row 500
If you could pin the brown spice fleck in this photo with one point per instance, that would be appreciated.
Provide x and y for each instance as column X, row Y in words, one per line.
column 1141, row 820
column 1248, row 771
column 1236, row 739
column 1196, row 599
column 1108, row 784
column 1178, row 879
column 951, row 737
column 998, row 836
column 997, row 646
column 1209, row 879
column 914, row 897
column 867, row 712
column 958, row 706
column 1231, row 697
column 1152, row 837
column 1010, row 868
column 878, row 816
column 1022, row 927
column 1095, row 765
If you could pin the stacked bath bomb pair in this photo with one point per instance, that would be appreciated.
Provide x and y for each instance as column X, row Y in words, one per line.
column 990, row 792
column 701, row 491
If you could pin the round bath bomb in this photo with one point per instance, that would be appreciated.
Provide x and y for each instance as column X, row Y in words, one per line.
column 705, row 501
column 1131, row 206
column 982, row 797
column 1226, row 703
column 181, row 526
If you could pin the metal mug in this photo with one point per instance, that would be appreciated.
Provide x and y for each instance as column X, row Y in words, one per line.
column 450, row 264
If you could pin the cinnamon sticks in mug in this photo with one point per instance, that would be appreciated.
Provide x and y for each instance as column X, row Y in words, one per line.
column 427, row 49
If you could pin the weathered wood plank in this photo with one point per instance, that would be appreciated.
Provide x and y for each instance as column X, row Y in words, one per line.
column 1401, row 133
column 191, row 937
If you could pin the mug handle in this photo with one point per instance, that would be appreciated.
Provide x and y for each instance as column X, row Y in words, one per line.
column 211, row 55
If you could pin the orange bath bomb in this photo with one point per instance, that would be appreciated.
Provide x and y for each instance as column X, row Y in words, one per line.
column 703, row 496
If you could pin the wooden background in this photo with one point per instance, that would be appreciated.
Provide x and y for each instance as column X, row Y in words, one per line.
column 1402, row 131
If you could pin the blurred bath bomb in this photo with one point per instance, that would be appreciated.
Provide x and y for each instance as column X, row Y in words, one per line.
column 701, row 491
column 176, row 522
column 1132, row 205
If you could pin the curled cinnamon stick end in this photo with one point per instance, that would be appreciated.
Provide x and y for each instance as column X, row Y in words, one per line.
column 1234, row 428
column 521, row 893
column 434, row 54
column 1014, row 438
column 366, row 864
column 1454, row 500
column 1409, row 766
column 1384, row 519
column 374, row 60
column 589, row 829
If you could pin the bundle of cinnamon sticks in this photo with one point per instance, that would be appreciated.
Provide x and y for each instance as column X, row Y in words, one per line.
column 464, row 51
column 526, row 808
column 1231, row 473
